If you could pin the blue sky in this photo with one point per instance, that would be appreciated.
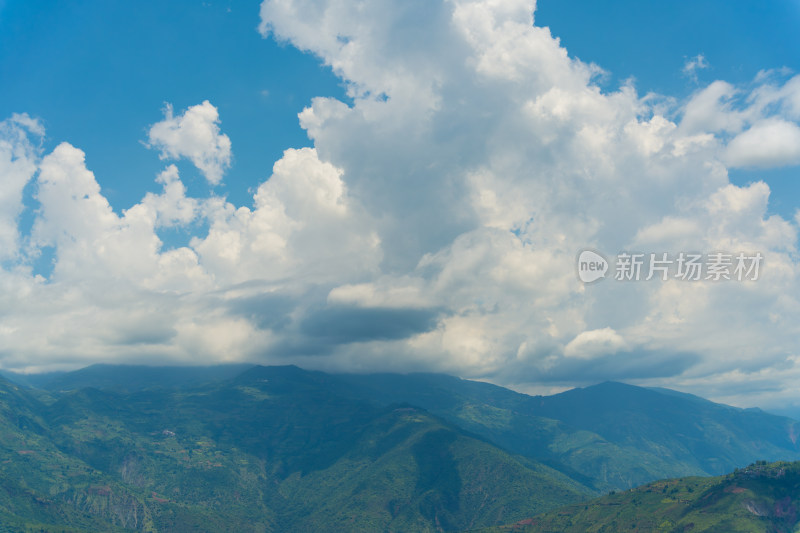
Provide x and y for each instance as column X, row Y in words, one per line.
column 98, row 73
column 437, row 167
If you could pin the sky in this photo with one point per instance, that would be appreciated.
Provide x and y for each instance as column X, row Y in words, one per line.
column 405, row 186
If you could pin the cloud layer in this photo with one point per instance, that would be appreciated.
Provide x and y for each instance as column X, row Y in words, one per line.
column 435, row 223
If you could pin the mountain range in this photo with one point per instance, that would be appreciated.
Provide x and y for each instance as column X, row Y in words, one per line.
column 251, row 448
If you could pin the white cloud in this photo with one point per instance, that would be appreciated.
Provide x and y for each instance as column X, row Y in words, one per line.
column 475, row 160
column 552, row 165
column 172, row 207
column 91, row 240
column 196, row 136
column 756, row 128
column 18, row 160
column 303, row 225
column 768, row 143
column 694, row 64
column 712, row 110
column 597, row 342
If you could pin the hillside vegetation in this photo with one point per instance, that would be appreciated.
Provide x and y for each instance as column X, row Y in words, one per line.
column 265, row 449
column 761, row 498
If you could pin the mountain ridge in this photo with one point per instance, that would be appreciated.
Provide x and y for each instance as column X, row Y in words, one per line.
column 257, row 453
column 149, row 454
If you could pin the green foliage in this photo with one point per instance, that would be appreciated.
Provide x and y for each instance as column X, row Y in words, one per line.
column 762, row 497
column 608, row 436
column 272, row 450
column 283, row 449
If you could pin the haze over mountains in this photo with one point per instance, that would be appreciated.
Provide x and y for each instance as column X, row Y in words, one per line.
column 284, row 449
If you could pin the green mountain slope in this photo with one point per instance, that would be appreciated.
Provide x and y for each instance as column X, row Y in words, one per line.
column 38, row 478
column 609, row 436
column 761, row 498
column 411, row 472
column 715, row 438
column 273, row 450
column 285, row 449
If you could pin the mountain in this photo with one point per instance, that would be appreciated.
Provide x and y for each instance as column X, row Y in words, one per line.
column 712, row 437
column 286, row 449
column 759, row 498
column 273, row 449
column 610, row 436
column 33, row 469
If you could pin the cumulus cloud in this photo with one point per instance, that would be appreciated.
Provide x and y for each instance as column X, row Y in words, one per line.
column 18, row 159
column 303, row 225
column 116, row 293
column 196, row 136
column 768, row 143
column 755, row 128
column 553, row 165
column 435, row 222
column 590, row 344
column 712, row 109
